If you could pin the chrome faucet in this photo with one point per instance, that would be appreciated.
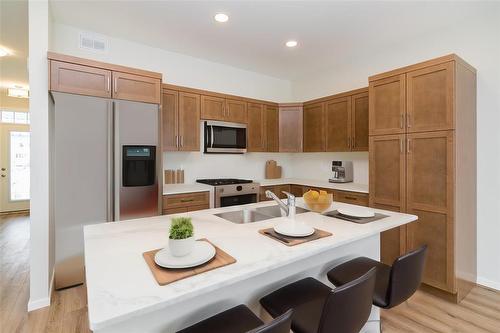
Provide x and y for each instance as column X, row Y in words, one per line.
column 289, row 208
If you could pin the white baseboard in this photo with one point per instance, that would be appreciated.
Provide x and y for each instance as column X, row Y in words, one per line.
column 488, row 283
column 38, row 303
column 42, row 302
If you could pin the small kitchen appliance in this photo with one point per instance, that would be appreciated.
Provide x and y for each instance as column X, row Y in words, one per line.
column 341, row 172
column 224, row 138
column 232, row 192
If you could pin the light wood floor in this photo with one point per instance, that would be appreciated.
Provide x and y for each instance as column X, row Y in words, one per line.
column 478, row 312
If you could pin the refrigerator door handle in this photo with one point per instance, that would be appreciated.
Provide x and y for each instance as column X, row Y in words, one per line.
column 117, row 161
column 110, row 164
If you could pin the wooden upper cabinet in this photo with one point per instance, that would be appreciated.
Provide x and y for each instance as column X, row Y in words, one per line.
column 136, row 88
column 170, row 119
column 290, row 128
column 236, row 111
column 272, row 128
column 430, row 98
column 359, row 122
column 387, row 105
column 256, row 127
column 430, row 165
column 338, row 124
column 189, row 122
column 78, row 79
column 212, row 107
column 314, row 127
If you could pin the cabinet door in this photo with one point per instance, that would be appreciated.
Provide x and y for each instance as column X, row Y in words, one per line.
column 81, row 80
column 236, row 111
column 430, row 98
column 387, row 164
column 297, row 190
column 338, row 124
column 136, row 88
column 359, row 122
column 170, row 120
column 387, row 105
column 430, row 163
column 290, row 129
column 314, row 127
column 272, row 128
column 256, row 127
column 212, row 107
column 278, row 190
column 189, row 122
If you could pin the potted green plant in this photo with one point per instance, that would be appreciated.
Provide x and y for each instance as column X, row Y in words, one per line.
column 181, row 240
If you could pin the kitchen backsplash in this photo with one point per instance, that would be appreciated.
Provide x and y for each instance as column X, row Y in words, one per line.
column 252, row 165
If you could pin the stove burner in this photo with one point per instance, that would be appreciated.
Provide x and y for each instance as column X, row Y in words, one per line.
column 223, row 181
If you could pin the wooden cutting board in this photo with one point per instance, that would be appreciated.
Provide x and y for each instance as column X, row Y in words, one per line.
column 165, row 276
column 273, row 171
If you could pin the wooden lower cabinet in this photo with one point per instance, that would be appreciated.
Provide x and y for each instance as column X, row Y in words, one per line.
column 297, row 190
column 185, row 202
column 276, row 189
column 353, row 198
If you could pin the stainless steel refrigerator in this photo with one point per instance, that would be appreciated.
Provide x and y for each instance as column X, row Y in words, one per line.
column 106, row 167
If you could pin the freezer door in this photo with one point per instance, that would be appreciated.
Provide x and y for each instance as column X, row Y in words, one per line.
column 136, row 151
column 82, row 177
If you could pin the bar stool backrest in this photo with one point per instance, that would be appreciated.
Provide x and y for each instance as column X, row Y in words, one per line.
column 406, row 276
column 348, row 307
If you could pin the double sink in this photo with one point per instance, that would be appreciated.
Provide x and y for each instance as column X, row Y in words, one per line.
column 256, row 214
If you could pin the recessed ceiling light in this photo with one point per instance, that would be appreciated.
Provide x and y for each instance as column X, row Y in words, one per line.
column 3, row 52
column 221, row 17
column 291, row 43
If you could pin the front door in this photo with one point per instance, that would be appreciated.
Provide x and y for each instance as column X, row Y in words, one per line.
column 14, row 167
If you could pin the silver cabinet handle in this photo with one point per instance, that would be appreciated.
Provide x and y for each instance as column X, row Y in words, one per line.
column 349, row 142
column 401, row 120
column 108, row 84
column 115, row 85
column 182, row 141
column 353, row 145
column 408, row 146
column 408, row 122
column 401, row 145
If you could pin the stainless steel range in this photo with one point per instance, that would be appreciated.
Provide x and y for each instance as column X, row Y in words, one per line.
column 232, row 192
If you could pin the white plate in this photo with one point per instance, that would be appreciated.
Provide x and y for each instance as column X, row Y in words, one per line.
column 294, row 229
column 202, row 252
column 356, row 212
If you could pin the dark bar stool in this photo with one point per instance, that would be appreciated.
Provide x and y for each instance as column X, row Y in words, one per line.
column 319, row 309
column 393, row 285
column 240, row 320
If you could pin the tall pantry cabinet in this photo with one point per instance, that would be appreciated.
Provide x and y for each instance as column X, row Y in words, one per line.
column 422, row 127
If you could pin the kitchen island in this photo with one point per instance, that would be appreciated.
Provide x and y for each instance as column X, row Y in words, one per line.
column 123, row 295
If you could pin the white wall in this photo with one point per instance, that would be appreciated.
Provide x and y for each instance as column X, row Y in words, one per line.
column 316, row 166
column 478, row 42
column 41, row 225
column 176, row 68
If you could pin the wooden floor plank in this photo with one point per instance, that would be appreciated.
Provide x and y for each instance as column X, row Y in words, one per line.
column 479, row 312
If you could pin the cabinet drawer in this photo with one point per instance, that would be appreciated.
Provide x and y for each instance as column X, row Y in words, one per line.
column 199, row 207
column 360, row 199
column 136, row 88
column 175, row 210
column 185, row 200
column 78, row 79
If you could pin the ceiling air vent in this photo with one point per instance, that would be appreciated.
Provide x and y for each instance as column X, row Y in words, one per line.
column 93, row 42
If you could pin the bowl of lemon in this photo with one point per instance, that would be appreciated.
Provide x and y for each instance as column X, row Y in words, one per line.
column 318, row 201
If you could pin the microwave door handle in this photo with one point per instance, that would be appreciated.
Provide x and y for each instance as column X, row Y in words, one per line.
column 212, row 138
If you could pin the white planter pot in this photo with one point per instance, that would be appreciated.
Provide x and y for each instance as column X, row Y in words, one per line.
column 181, row 247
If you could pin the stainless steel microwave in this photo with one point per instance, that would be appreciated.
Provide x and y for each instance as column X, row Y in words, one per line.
column 225, row 138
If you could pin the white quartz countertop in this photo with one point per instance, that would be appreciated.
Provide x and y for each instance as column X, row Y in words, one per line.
column 120, row 285
column 353, row 187
column 185, row 188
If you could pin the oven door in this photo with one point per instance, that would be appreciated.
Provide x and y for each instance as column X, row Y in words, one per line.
column 222, row 137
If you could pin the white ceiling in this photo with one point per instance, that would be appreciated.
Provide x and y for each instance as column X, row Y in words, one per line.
column 14, row 36
column 328, row 32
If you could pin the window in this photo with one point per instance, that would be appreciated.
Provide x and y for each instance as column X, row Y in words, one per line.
column 19, row 166
column 14, row 117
